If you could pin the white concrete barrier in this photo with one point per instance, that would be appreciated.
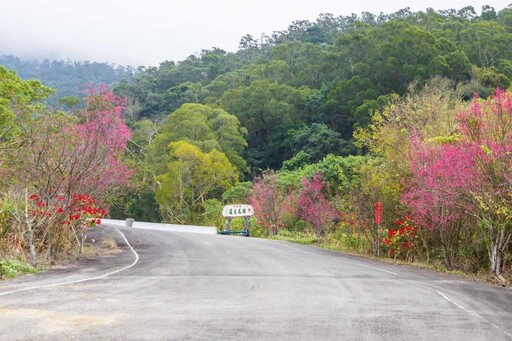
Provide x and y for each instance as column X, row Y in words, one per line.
column 162, row 227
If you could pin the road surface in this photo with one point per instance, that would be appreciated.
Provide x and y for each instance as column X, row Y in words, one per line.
column 180, row 286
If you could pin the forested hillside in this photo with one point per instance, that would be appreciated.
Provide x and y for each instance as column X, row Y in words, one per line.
column 66, row 77
column 333, row 72
column 315, row 126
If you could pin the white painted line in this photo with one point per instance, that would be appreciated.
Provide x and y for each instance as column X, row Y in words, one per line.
column 472, row 313
column 378, row 269
column 452, row 301
column 85, row 279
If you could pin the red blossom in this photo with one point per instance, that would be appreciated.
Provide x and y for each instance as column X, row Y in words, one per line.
column 74, row 217
column 440, row 174
column 270, row 202
column 313, row 205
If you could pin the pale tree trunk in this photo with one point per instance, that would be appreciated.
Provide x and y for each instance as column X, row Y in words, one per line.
column 499, row 241
column 79, row 233
column 83, row 235
column 30, row 232
column 495, row 259
column 32, row 249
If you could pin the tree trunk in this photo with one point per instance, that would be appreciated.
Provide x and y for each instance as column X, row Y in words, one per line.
column 83, row 235
column 447, row 259
column 499, row 240
column 424, row 241
column 32, row 249
column 30, row 232
column 495, row 259
column 449, row 239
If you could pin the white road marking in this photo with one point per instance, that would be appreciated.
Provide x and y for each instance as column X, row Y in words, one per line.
column 452, row 301
column 473, row 313
column 85, row 279
column 379, row 269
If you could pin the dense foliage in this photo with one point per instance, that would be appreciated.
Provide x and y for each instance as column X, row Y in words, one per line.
column 53, row 165
column 333, row 72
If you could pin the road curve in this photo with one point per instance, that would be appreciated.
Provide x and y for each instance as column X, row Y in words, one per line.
column 191, row 286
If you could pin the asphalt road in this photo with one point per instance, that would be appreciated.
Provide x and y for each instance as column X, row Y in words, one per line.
column 192, row 286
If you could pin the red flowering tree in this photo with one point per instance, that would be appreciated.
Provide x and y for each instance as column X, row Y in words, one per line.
column 53, row 225
column 270, row 202
column 487, row 135
column 472, row 175
column 313, row 206
column 441, row 175
column 66, row 155
column 99, row 143
column 402, row 241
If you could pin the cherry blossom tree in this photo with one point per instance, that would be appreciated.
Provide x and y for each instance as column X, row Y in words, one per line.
column 486, row 127
column 468, row 175
column 270, row 202
column 441, row 175
column 99, row 143
column 313, row 206
column 68, row 157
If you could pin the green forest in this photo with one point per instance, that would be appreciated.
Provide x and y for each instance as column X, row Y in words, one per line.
column 319, row 127
column 67, row 77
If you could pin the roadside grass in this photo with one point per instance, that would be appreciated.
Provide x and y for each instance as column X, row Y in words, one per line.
column 437, row 265
column 10, row 268
column 306, row 238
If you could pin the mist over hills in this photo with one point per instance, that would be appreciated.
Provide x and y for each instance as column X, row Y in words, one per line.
column 67, row 77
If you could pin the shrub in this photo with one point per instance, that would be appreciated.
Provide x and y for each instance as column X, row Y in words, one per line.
column 10, row 268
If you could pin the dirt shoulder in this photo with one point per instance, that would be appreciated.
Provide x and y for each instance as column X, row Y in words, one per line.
column 102, row 244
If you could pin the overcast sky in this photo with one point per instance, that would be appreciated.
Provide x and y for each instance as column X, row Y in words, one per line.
column 147, row 32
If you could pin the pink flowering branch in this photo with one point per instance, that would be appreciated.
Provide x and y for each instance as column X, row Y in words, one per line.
column 313, row 206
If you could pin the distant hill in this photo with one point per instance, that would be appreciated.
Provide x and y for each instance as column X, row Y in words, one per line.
column 67, row 77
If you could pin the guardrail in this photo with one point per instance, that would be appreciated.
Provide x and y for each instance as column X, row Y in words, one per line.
column 160, row 227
